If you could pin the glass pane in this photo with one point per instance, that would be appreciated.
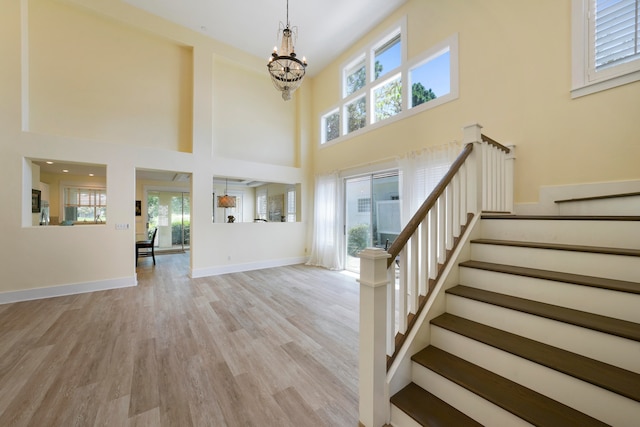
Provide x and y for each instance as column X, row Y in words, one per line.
column 331, row 125
column 357, row 220
column 355, row 77
column 388, row 57
column 356, row 113
column 431, row 79
column 388, row 99
column 386, row 212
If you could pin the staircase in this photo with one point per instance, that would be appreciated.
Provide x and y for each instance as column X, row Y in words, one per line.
column 543, row 328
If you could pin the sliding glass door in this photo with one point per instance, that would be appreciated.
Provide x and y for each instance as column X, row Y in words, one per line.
column 372, row 214
column 170, row 213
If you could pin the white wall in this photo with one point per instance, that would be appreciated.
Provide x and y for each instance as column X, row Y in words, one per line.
column 145, row 100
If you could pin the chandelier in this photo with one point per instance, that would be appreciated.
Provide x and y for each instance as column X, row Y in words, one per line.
column 286, row 70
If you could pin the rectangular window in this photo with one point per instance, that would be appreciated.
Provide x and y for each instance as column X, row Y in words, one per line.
column 364, row 205
column 291, row 205
column 85, row 205
column 387, row 99
column 431, row 79
column 261, row 206
column 331, row 126
column 616, row 32
column 356, row 113
column 388, row 56
column 605, row 44
column 355, row 76
column 379, row 83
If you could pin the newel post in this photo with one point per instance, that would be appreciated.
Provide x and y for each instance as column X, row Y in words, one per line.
column 374, row 407
column 473, row 135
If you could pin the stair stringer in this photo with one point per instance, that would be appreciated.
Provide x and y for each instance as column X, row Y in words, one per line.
column 400, row 372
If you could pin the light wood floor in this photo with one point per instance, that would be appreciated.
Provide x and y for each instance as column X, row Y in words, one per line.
column 273, row 347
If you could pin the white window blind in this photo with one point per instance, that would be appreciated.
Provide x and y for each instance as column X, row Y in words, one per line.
column 616, row 32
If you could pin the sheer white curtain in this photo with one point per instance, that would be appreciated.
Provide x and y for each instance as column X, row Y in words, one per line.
column 420, row 172
column 326, row 250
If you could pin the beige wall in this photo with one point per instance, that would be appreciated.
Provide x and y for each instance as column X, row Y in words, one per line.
column 515, row 80
column 101, row 82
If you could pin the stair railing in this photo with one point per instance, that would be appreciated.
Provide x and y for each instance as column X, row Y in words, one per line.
column 395, row 284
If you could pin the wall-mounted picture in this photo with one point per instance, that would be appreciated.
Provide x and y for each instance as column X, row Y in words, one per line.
column 138, row 208
column 35, row 201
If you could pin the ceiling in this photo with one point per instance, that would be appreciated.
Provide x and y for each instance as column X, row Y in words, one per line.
column 326, row 28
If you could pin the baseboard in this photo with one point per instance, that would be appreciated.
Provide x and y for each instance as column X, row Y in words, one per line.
column 239, row 268
column 63, row 290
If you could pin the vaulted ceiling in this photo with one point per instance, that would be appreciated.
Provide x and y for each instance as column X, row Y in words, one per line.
column 325, row 27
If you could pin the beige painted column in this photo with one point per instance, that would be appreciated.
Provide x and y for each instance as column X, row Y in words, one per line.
column 374, row 406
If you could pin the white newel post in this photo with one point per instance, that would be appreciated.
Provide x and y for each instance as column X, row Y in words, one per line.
column 473, row 134
column 374, row 404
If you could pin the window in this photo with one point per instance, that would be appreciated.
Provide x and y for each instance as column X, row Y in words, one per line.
column 379, row 85
column 606, row 44
column 85, row 205
column 356, row 113
column 364, row 205
column 355, row 76
column 291, row 205
column 331, row 126
column 431, row 79
column 261, row 205
column 387, row 99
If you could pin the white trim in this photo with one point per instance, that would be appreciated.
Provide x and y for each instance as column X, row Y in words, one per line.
column 584, row 79
column 63, row 290
column 450, row 42
column 239, row 268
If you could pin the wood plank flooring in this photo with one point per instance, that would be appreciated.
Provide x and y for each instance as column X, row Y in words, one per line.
column 276, row 347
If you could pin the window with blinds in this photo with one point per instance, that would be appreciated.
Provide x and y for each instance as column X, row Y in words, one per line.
column 85, row 205
column 616, row 35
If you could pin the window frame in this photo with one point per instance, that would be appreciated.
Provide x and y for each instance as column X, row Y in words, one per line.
column 585, row 78
column 405, row 69
column 66, row 186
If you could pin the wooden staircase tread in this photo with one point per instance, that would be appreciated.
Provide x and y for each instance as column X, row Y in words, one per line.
column 564, row 217
column 560, row 247
column 609, row 377
column 557, row 276
column 428, row 410
column 609, row 325
column 525, row 403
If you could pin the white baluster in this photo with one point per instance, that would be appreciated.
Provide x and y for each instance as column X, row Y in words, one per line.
column 413, row 264
column 403, row 308
column 391, row 310
column 424, row 258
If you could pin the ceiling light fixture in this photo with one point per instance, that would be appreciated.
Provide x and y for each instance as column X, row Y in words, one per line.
column 226, row 201
column 286, row 70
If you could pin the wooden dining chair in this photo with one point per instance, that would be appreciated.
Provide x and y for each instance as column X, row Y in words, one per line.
column 148, row 248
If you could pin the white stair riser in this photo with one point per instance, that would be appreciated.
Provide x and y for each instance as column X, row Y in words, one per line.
column 620, row 305
column 464, row 400
column 614, row 234
column 589, row 264
column 585, row 397
column 607, row 348
column 399, row 418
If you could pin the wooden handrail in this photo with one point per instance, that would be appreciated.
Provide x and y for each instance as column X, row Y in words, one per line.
column 496, row 144
column 422, row 212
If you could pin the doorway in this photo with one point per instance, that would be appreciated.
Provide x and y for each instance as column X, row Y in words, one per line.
column 372, row 214
column 170, row 212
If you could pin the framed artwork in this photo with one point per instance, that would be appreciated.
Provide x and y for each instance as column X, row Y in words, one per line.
column 35, row 201
column 138, row 208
